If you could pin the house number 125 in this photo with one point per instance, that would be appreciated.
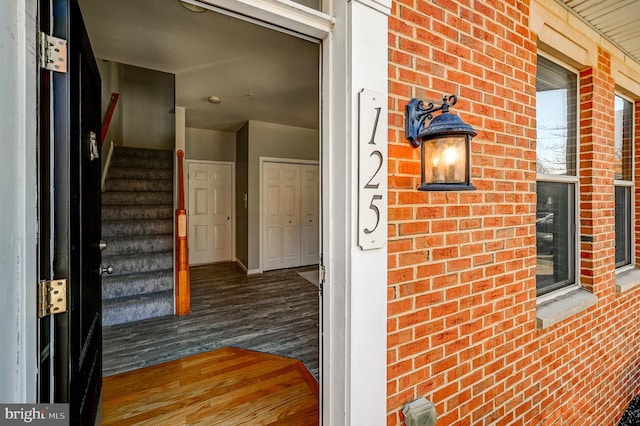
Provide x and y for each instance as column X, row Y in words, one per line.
column 372, row 188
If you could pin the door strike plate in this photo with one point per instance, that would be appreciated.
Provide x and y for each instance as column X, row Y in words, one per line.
column 52, row 297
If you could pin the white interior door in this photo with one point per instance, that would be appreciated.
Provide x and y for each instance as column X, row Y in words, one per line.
column 281, row 215
column 210, row 208
column 310, row 215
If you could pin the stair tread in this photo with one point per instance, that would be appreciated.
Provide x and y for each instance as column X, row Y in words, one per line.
column 138, row 185
column 149, row 212
column 139, row 307
column 132, row 256
column 137, row 198
column 135, row 221
column 140, row 237
column 125, row 299
column 130, row 151
column 126, row 285
column 142, row 163
column 144, row 262
column 116, row 172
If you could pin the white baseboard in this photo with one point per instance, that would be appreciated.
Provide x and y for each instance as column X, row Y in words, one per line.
column 247, row 270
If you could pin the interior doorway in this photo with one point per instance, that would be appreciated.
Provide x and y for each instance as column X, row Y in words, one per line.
column 256, row 95
column 210, row 195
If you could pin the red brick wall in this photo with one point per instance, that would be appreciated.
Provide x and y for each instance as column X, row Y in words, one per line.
column 462, row 265
column 597, row 257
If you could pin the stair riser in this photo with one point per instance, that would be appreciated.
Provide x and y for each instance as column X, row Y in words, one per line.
column 128, row 264
column 120, row 311
column 135, row 245
column 136, row 212
column 131, row 185
column 141, row 163
column 137, row 198
column 123, row 151
column 133, row 284
column 119, row 228
column 151, row 174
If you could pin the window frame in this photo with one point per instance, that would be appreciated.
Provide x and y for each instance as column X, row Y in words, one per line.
column 630, row 185
column 574, row 247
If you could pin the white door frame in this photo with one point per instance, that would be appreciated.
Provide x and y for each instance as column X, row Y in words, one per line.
column 354, row 35
column 19, row 186
column 260, row 197
column 233, row 196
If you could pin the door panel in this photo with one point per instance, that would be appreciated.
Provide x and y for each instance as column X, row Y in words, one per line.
column 210, row 207
column 70, row 217
column 290, row 204
column 272, row 219
column 310, row 215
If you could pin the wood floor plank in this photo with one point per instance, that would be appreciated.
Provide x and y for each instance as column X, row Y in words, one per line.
column 228, row 386
column 275, row 312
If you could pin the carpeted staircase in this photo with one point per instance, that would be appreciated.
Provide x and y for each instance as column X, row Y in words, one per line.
column 137, row 225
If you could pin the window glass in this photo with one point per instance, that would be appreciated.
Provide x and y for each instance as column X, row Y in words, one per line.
column 623, row 138
column 556, row 106
column 623, row 225
column 556, row 119
column 623, row 169
column 554, row 235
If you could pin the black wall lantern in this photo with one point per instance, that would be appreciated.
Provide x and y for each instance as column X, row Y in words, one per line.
column 445, row 145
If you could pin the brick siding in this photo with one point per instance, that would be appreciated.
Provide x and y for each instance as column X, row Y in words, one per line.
column 461, row 281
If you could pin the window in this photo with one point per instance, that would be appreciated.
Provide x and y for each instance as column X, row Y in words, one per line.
column 623, row 166
column 556, row 110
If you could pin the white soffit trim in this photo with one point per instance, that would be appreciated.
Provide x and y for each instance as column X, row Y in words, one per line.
column 285, row 15
column 560, row 38
column 627, row 82
column 382, row 6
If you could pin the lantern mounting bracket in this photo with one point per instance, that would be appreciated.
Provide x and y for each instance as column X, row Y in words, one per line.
column 416, row 114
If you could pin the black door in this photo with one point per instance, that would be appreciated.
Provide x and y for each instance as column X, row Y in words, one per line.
column 69, row 206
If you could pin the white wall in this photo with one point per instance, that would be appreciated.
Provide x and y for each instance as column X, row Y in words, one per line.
column 18, row 261
column 211, row 145
column 145, row 113
column 110, row 79
column 147, row 100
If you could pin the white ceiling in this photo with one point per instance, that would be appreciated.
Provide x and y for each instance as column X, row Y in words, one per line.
column 215, row 55
column 617, row 20
column 212, row 55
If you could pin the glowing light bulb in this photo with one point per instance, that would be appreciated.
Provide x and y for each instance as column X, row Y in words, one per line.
column 450, row 156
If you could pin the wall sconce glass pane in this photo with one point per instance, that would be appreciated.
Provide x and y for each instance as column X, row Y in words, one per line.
column 447, row 159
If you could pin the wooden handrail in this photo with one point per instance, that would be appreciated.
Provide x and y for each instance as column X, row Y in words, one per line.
column 108, row 116
column 183, row 281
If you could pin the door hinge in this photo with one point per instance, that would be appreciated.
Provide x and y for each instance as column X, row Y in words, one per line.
column 52, row 53
column 52, row 297
column 322, row 274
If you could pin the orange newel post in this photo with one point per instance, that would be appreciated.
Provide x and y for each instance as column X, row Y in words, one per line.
column 183, row 284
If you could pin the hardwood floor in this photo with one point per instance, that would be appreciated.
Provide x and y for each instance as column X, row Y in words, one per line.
column 275, row 312
column 227, row 386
